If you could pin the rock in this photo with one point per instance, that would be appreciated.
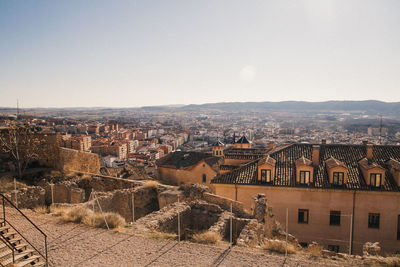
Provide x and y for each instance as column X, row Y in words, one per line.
column 370, row 248
column 194, row 190
column 168, row 197
column 328, row 253
column 260, row 207
column 252, row 234
column 202, row 205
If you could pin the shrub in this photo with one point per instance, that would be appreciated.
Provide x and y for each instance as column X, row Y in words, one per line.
column 82, row 214
column 41, row 209
column 162, row 235
column 58, row 210
column 77, row 214
column 114, row 220
column 315, row 250
column 278, row 246
column 207, row 237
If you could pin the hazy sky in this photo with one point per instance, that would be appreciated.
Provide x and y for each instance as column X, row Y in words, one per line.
column 135, row 53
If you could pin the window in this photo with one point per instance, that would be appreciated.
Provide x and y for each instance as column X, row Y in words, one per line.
column 265, row 176
column 333, row 248
column 338, row 178
column 303, row 216
column 373, row 220
column 376, row 179
column 334, row 218
column 304, row 177
column 398, row 227
column 204, row 178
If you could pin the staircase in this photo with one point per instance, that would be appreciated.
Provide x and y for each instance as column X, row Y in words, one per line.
column 15, row 248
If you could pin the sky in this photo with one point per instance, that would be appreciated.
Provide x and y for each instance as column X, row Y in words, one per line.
column 140, row 53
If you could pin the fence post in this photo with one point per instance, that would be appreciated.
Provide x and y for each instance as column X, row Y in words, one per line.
column 231, row 230
column 4, row 210
column 52, row 193
column 15, row 191
column 287, row 222
column 104, row 217
column 351, row 231
column 179, row 224
column 133, row 207
column 92, row 197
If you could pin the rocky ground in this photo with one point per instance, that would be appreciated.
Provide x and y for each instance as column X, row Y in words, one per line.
column 77, row 245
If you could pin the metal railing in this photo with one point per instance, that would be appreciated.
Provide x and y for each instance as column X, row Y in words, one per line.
column 11, row 247
column 23, row 226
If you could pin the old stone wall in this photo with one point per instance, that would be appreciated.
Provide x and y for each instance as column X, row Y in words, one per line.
column 74, row 160
column 104, row 184
column 120, row 201
column 166, row 219
column 225, row 203
column 28, row 198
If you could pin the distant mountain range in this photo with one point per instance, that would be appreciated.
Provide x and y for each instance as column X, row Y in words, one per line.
column 369, row 107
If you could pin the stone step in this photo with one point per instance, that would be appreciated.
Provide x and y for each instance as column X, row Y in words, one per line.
column 17, row 257
column 6, row 253
column 29, row 260
column 39, row 263
column 15, row 240
column 4, row 228
column 8, row 235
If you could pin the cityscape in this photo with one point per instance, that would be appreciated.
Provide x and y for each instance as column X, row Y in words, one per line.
column 192, row 133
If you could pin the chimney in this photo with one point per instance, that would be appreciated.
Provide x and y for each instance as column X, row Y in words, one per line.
column 369, row 152
column 315, row 155
column 323, row 141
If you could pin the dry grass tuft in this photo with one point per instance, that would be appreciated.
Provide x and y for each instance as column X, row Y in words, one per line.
column 58, row 210
column 77, row 214
column 7, row 184
column 162, row 235
column 278, row 246
column 315, row 250
column 150, row 184
column 114, row 220
column 393, row 261
column 41, row 209
column 81, row 214
column 207, row 237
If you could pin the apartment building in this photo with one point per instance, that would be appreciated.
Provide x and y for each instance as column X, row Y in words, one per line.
column 340, row 196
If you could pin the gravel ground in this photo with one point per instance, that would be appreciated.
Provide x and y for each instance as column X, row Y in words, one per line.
column 78, row 245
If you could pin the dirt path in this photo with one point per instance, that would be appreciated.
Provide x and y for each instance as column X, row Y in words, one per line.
column 78, row 245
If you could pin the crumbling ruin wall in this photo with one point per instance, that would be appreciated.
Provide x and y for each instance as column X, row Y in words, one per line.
column 252, row 234
column 74, row 160
column 103, row 184
column 28, row 198
column 225, row 203
column 120, row 201
column 62, row 192
column 166, row 219
column 203, row 215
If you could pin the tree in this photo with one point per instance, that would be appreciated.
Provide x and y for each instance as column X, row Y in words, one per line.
column 23, row 144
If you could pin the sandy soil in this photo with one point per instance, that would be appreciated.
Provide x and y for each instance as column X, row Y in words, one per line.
column 78, row 245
